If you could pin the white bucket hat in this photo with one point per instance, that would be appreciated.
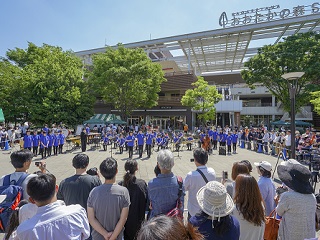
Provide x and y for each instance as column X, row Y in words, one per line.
column 214, row 200
column 265, row 165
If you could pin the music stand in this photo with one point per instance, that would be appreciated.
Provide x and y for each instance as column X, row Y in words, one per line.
column 178, row 153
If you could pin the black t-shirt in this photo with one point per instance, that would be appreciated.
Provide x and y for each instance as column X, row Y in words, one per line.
column 76, row 189
column 138, row 198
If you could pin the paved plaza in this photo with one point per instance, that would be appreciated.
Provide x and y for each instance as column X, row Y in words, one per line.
column 61, row 165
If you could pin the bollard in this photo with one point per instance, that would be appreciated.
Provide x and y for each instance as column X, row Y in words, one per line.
column 260, row 148
column 6, row 146
column 284, row 154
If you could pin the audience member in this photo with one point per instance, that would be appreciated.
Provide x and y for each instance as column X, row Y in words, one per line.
column 138, row 197
column 214, row 220
column 249, row 208
column 197, row 179
column 168, row 228
column 248, row 164
column 108, row 204
column 297, row 207
column 163, row 190
column 76, row 189
column 237, row 168
column 53, row 219
column 21, row 161
column 266, row 186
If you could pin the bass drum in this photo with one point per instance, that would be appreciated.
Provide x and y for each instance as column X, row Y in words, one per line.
column 65, row 132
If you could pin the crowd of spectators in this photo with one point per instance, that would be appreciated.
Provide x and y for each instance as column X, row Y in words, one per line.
column 84, row 207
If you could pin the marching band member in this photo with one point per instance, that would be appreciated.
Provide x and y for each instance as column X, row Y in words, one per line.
column 189, row 143
column 44, row 141
column 176, row 141
column 234, row 141
column 35, row 142
column 61, row 141
column 159, row 141
column 130, row 142
column 229, row 142
column 140, row 141
column 202, row 136
column 50, row 144
column 165, row 141
column 121, row 142
column 105, row 141
column 27, row 141
column 149, row 141
column 214, row 139
column 56, row 141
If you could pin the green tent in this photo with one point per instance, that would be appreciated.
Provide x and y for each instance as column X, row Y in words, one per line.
column 104, row 118
column 1, row 115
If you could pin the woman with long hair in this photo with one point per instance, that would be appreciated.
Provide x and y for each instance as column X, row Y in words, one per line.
column 138, row 197
column 249, row 208
column 214, row 221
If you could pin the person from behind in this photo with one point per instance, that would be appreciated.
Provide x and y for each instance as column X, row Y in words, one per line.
column 214, row 220
column 53, row 220
column 237, row 168
column 249, row 208
column 138, row 197
column 169, row 228
column 164, row 189
column 108, row 204
column 76, row 189
column 266, row 185
column 297, row 207
column 197, row 179
column 21, row 161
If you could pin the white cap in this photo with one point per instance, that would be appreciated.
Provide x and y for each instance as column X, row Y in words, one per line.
column 264, row 164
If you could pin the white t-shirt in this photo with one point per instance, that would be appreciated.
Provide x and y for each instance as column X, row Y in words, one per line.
column 193, row 182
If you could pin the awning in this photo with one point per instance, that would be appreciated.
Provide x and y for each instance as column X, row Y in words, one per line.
column 102, row 119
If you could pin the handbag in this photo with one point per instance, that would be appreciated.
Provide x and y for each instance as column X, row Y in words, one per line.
column 272, row 226
column 176, row 211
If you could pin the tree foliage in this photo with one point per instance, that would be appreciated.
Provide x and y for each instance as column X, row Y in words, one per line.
column 47, row 86
column 202, row 99
column 126, row 78
column 297, row 53
column 316, row 101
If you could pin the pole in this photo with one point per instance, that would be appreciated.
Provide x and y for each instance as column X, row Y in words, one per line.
column 293, row 120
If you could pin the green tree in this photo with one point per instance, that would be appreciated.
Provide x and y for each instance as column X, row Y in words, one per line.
column 297, row 53
column 316, row 101
column 13, row 100
column 126, row 78
column 53, row 89
column 202, row 99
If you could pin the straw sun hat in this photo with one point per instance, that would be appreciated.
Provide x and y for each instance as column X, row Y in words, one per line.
column 214, row 200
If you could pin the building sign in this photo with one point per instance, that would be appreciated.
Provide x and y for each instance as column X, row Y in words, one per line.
column 165, row 107
column 266, row 14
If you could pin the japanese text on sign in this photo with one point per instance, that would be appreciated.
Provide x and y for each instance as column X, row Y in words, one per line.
column 266, row 14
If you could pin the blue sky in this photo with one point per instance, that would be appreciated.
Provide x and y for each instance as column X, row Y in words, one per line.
column 82, row 25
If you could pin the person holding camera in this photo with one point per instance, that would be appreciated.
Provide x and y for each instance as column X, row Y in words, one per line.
column 197, row 179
